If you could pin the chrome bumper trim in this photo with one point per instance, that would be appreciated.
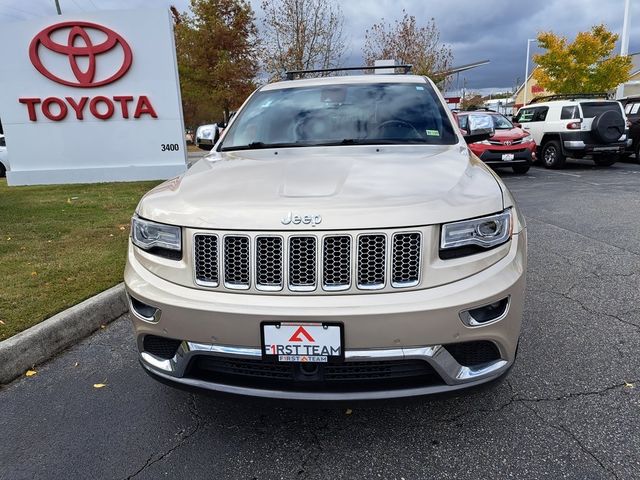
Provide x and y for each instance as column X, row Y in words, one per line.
column 574, row 144
column 452, row 373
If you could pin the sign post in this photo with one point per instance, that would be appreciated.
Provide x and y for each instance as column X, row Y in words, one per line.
column 92, row 98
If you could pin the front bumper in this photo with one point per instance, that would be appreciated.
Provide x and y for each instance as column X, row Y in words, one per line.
column 521, row 156
column 412, row 325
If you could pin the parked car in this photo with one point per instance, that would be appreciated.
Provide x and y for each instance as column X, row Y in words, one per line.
column 339, row 243
column 4, row 157
column 510, row 146
column 575, row 126
column 632, row 110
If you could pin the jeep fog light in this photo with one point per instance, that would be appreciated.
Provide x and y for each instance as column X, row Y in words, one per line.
column 486, row 314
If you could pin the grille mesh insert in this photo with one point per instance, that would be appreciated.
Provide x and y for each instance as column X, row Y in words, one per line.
column 337, row 262
column 302, row 263
column 406, row 259
column 206, row 247
column 236, row 262
column 269, row 262
column 371, row 261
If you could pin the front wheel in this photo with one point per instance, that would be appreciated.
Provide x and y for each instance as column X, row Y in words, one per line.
column 3, row 170
column 552, row 155
column 521, row 169
column 605, row 160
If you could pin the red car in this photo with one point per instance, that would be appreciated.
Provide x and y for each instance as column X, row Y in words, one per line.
column 510, row 146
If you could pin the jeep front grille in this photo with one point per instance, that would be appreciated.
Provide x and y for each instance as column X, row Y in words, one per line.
column 331, row 262
column 406, row 260
column 336, row 265
column 372, row 261
column 302, row 263
column 237, row 265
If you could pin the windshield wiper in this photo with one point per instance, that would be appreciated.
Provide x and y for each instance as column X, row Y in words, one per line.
column 262, row 145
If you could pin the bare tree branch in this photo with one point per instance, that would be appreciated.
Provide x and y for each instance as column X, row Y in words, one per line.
column 301, row 35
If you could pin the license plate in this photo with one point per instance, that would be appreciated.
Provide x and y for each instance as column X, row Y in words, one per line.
column 507, row 157
column 302, row 342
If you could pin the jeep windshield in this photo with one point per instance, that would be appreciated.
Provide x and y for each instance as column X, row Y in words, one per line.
column 351, row 114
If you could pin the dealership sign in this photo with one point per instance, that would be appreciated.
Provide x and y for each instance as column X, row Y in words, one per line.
column 91, row 99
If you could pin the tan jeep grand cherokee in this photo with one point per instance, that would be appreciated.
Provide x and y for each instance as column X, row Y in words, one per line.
column 340, row 242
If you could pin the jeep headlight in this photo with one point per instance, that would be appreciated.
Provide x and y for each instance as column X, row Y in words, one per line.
column 478, row 234
column 164, row 240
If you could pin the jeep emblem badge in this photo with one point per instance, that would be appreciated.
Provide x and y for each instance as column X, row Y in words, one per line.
column 294, row 218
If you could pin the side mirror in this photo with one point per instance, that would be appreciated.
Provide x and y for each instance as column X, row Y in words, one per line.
column 207, row 136
column 479, row 127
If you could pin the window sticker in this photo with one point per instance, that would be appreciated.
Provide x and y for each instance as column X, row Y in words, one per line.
column 433, row 133
column 419, row 88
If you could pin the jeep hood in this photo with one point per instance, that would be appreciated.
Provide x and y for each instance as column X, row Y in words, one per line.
column 350, row 187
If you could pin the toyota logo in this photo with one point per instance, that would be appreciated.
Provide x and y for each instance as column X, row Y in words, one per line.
column 80, row 45
column 507, row 142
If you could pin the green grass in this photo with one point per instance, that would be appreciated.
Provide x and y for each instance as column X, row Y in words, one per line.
column 60, row 245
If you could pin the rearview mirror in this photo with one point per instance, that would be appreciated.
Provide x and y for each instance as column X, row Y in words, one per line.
column 479, row 127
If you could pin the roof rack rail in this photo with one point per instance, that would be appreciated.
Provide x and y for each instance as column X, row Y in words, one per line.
column 571, row 96
column 290, row 75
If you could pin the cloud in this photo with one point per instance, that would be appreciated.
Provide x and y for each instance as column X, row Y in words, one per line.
column 491, row 29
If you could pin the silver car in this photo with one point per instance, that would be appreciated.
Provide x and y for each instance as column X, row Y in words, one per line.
column 339, row 242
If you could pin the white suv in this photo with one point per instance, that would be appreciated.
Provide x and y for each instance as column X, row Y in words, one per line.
column 570, row 126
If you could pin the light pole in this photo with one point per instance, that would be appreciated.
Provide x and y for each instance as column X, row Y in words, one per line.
column 526, row 72
column 624, row 42
column 57, row 2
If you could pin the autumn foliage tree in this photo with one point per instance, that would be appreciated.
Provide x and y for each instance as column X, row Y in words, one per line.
column 409, row 43
column 217, row 48
column 301, row 35
column 585, row 65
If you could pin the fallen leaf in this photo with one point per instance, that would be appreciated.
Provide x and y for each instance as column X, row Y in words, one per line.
column 111, row 234
column 30, row 373
column 629, row 385
column 99, row 385
column 34, row 274
column 121, row 228
column 2, row 323
column 349, row 411
column 68, row 200
column 102, row 326
column 8, row 238
column 76, row 364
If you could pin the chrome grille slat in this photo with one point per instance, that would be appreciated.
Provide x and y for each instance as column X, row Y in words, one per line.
column 336, row 263
column 269, row 256
column 237, row 265
column 206, row 264
column 340, row 262
column 405, row 270
column 372, row 261
column 302, row 263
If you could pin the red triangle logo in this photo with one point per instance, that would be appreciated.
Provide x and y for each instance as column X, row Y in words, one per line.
column 301, row 332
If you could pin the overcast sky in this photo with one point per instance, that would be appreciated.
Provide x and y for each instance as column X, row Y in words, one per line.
column 496, row 30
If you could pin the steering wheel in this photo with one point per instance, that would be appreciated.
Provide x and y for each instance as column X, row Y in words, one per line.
column 401, row 123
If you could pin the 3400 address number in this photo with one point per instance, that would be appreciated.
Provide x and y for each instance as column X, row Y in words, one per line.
column 169, row 147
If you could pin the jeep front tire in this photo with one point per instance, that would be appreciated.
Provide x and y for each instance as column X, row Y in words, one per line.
column 552, row 156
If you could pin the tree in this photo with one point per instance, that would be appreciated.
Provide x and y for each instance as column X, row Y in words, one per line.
column 585, row 65
column 217, row 46
column 301, row 35
column 408, row 43
column 472, row 102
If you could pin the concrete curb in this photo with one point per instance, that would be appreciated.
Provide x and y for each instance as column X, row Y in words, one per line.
column 42, row 341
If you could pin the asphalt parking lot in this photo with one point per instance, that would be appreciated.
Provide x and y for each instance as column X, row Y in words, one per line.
column 569, row 409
